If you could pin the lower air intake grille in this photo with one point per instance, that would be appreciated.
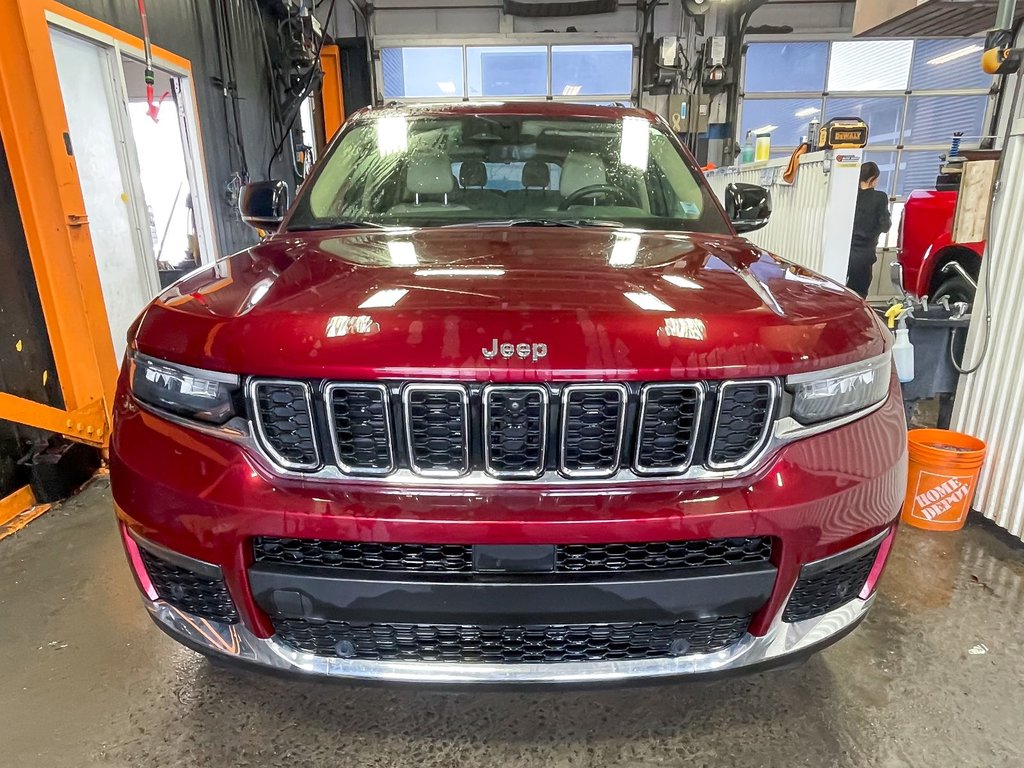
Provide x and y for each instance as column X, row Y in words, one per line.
column 510, row 644
column 592, row 422
column 516, row 429
column 826, row 590
column 436, row 420
column 663, row 555
column 198, row 595
column 285, row 424
column 361, row 428
column 363, row 555
column 742, row 421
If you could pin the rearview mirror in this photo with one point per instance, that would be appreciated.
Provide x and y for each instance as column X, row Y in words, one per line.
column 263, row 204
column 748, row 206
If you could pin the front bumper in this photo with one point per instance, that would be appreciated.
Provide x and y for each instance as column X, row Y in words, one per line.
column 783, row 644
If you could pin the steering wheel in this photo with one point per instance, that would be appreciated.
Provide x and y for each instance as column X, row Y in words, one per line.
column 595, row 190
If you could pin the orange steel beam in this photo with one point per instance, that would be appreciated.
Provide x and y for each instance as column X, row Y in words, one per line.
column 330, row 91
column 45, row 179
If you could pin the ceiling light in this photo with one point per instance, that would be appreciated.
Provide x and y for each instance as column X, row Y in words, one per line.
column 403, row 253
column 681, row 282
column 647, row 301
column 447, row 88
column 959, row 53
column 763, row 129
column 807, row 111
column 392, row 135
column 386, row 298
column 635, row 142
column 460, row 272
column 625, row 249
column 572, row 90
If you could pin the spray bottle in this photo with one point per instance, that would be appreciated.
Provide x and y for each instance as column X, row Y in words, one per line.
column 747, row 155
column 902, row 349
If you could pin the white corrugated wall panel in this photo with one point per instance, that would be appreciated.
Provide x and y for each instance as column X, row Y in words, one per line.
column 990, row 403
column 801, row 220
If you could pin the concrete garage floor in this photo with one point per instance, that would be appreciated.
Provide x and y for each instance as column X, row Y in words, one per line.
column 85, row 679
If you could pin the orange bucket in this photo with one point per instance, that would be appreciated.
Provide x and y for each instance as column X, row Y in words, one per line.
column 943, row 475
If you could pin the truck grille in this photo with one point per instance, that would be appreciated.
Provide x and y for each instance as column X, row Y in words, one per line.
column 823, row 591
column 470, row 643
column 512, row 432
column 456, row 558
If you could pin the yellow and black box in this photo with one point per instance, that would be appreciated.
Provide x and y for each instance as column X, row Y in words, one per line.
column 843, row 133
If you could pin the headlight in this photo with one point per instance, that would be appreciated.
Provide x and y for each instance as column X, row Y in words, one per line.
column 831, row 394
column 184, row 391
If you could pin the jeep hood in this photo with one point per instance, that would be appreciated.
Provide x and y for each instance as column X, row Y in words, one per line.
column 607, row 303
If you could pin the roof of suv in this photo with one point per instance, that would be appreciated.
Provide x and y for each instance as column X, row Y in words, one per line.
column 551, row 109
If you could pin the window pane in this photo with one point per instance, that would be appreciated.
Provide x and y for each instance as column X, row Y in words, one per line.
column 508, row 71
column 917, row 171
column 870, row 65
column 932, row 119
column 785, row 67
column 586, row 70
column 418, row 72
column 886, row 162
column 948, row 64
column 791, row 116
column 884, row 115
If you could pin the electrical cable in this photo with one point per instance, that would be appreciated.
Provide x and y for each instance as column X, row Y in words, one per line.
column 988, row 260
column 305, row 90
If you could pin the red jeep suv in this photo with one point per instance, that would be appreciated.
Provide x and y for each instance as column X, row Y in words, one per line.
column 503, row 398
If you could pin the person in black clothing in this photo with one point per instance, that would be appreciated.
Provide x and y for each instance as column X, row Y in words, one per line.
column 870, row 220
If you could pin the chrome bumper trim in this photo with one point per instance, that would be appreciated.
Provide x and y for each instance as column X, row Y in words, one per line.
column 234, row 640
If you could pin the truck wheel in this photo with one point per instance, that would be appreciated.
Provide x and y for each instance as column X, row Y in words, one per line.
column 955, row 289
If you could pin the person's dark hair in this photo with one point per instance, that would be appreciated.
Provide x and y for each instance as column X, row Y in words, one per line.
column 868, row 171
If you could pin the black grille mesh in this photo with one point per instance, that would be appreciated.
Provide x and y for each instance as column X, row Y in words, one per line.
column 668, row 429
column 650, row 556
column 822, row 592
column 198, row 595
column 364, row 555
column 510, row 644
column 360, row 423
column 743, row 411
column 437, row 430
column 286, row 422
column 591, row 434
column 663, row 555
column 515, row 432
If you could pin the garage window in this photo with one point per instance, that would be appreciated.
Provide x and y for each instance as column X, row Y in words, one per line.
column 598, row 73
column 913, row 94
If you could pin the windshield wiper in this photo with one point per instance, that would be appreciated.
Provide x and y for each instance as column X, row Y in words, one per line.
column 339, row 224
column 574, row 223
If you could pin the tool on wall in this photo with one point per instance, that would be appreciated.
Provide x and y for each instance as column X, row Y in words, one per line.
column 154, row 106
column 1000, row 57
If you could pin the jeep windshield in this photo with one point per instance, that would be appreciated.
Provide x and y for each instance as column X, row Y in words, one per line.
column 400, row 169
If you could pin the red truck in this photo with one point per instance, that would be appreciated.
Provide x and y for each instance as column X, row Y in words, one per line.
column 929, row 263
column 442, row 428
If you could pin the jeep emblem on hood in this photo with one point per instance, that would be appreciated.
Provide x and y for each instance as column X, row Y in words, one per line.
column 521, row 350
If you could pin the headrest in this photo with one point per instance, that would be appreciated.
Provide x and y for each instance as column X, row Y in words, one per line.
column 581, row 170
column 429, row 175
column 473, row 173
column 536, row 174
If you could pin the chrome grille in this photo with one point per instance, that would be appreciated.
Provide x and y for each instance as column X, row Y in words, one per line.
column 593, row 416
column 742, row 422
column 436, row 425
column 284, row 422
column 513, row 432
column 515, row 429
column 360, row 428
column 669, row 420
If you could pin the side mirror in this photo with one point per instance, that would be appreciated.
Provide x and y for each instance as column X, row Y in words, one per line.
column 748, row 206
column 263, row 204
